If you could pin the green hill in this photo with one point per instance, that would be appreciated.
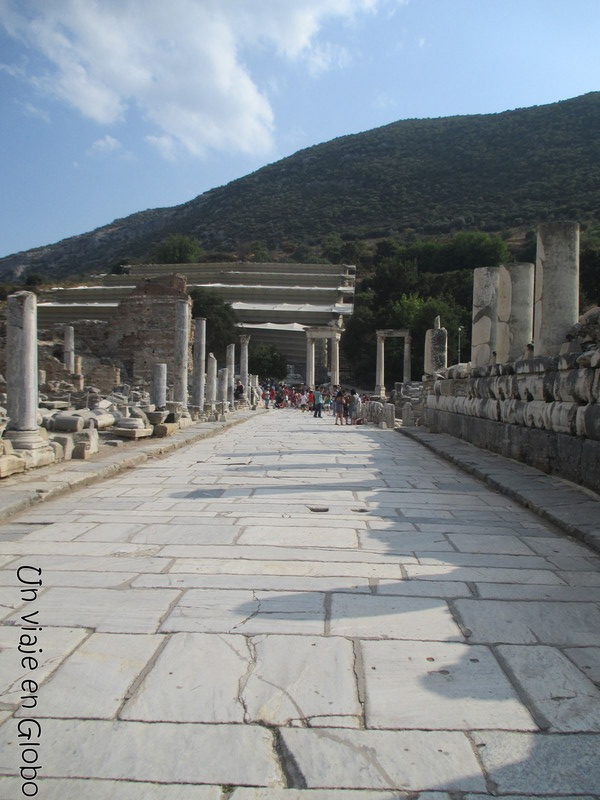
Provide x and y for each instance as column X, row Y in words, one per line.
column 494, row 172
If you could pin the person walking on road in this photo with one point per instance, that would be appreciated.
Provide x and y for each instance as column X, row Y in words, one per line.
column 318, row 402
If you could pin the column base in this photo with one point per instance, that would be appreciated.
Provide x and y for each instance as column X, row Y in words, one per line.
column 379, row 391
column 28, row 440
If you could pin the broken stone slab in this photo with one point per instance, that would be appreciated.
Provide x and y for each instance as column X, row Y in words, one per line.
column 166, row 429
column 133, row 428
column 9, row 462
column 65, row 440
column 65, row 423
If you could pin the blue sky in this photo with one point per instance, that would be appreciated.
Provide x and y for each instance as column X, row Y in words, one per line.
column 114, row 106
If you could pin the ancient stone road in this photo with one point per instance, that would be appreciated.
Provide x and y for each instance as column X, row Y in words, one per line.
column 294, row 604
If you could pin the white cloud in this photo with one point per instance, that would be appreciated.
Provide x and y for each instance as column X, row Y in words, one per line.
column 180, row 63
column 33, row 111
column 108, row 144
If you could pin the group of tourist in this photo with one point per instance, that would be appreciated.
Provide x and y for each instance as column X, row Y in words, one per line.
column 345, row 405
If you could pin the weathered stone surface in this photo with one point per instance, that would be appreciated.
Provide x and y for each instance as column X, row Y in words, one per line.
column 560, row 693
column 536, row 764
column 181, row 685
column 301, row 678
column 410, row 760
column 444, row 685
column 392, row 617
column 75, row 789
column 530, row 622
column 217, row 611
column 135, row 751
column 107, row 610
column 93, row 680
column 588, row 661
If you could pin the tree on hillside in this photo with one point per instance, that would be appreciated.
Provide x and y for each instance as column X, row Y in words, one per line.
column 178, row 249
column 221, row 321
column 266, row 361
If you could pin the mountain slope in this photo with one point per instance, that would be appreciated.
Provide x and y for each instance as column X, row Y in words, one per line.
column 492, row 171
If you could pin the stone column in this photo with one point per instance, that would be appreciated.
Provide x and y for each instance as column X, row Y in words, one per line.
column 159, row 385
column 182, row 340
column 485, row 315
column 199, row 380
column 406, row 372
column 320, row 360
column 380, row 366
column 22, row 380
column 335, row 359
column 244, row 377
column 231, row 375
column 223, row 392
column 519, row 278
column 436, row 348
column 556, row 285
column 310, row 362
column 77, row 365
column 69, row 349
column 41, row 377
column 211, row 381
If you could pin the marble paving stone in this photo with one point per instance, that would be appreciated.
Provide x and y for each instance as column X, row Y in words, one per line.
column 394, row 541
column 467, row 543
column 588, row 661
column 216, row 566
column 571, row 563
column 113, row 532
column 509, row 591
column 299, row 537
column 56, row 643
column 410, row 760
column 416, row 588
column 258, row 552
column 311, row 521
column 107, row 610
column 581, row 578
column 78, row 789
column 522, row 622
column 247, row 793
column 485, row 560
column 392, row 617
column 534, row 764
column 102, row 580
column 77, row 548
column 301, row 678
column 6, row 560
column 289, row 583
column 214, row 611
column 134, row 563
column 203, row 532
column 92, row 681
column 10, row 597
column 557, row 689
column 136, row 751
column 557, row 546
column 483, row 574
column 59, row 532
column 181, row 685
column 443, row 685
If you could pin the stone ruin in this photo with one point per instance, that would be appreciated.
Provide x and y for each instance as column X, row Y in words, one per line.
column 532, row 389
column 51, row 411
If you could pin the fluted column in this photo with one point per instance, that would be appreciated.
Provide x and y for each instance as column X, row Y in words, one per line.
column 244, row 342
column 335, row 360
column 182, row 340
column 230, row 361
column 211, row 381
column 159, row 385
column 199, row 380
column 380, row 366
column 69, row 348
column 310, row 362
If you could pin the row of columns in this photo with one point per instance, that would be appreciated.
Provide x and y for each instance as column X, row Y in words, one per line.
column 382, row 335
column 314, row 335
column 514, row 304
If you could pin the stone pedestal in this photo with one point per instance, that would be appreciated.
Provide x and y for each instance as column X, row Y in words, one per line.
column 199, row 379
column 22, row 430
column 230, row 362
column 159, row 385
column 182, row 339
column 556, row 285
